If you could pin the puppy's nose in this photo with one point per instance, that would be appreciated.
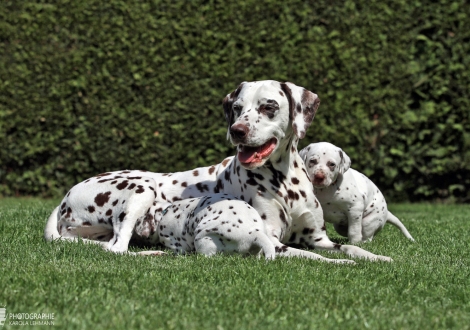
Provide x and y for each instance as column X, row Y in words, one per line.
column 238, row 132
column 319, row 176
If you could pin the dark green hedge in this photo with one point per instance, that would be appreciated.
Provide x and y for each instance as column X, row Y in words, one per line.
column 90, row 86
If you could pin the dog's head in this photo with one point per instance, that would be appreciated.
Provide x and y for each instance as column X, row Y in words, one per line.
column 147, row 225
column 324, row 162
column 260, row 114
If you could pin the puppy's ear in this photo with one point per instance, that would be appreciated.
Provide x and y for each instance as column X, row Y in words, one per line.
column 227, row 103
column 160, row 209
column 303, row 106
column 303, row 154
column 345, row 162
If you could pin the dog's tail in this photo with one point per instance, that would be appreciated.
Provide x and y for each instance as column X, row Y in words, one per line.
column 265, row 244
column 397, row 223
column 51, row 232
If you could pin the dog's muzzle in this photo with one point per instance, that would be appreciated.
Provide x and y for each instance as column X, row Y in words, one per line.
column 318, row 179
column 239, row 133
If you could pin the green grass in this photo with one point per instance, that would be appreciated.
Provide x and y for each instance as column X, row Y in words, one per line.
column 426, row 287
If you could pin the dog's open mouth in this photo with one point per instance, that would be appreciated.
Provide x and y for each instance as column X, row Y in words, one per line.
column 251, row 155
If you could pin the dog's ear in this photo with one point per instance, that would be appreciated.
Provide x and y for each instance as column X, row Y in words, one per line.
column 303, row 106
column 345, row 162
column 303, row 154
column 228, row 103
column 161, row 207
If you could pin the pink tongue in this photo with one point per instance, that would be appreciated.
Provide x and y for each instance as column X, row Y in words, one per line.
column 256, row 154
column 248, row 155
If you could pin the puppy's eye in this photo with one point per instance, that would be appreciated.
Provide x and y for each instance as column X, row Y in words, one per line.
column 268, row 108
column 237, row 108
column 331, row 164
column 313, row 161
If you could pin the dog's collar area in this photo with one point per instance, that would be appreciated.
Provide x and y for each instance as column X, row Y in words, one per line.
column 165, row 210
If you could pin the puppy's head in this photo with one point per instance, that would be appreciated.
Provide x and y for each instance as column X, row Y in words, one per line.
column 261, row 114
column 159, row 209
column 324, row 162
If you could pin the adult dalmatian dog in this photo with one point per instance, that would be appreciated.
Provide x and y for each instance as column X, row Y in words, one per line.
column 265, row 121
column 350, row 201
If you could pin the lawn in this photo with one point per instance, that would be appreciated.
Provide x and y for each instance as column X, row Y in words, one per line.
column 426, row 287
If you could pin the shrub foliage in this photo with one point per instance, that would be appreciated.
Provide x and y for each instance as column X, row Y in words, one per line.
column 91, row 86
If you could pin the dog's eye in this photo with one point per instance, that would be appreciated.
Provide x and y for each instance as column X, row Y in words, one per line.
column 313, row 161
column 331, row 164
column 269, row 109
column 237, row 108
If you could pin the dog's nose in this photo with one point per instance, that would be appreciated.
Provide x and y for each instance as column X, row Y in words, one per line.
column 319, row 176
column 238, row 132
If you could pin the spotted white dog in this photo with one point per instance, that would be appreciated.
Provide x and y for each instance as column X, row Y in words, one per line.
column 209, row 225
column 350, row 201
column 265, row 121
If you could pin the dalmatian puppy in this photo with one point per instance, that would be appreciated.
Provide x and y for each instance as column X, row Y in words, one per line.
column 211, row 224
column 265, row 121
column 350, row 201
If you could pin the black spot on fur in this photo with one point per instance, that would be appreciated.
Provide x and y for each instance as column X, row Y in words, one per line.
column 251, row 181
column 122, row 185
column 292, row 238
column 281, row 249
column 282, row 216
column 202, row 187
column 102, row 198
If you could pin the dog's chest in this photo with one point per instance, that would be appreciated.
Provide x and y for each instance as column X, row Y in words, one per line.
column 334, row 211
column 341, row 198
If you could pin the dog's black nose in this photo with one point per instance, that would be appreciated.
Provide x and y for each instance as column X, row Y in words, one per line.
column 239, row 132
